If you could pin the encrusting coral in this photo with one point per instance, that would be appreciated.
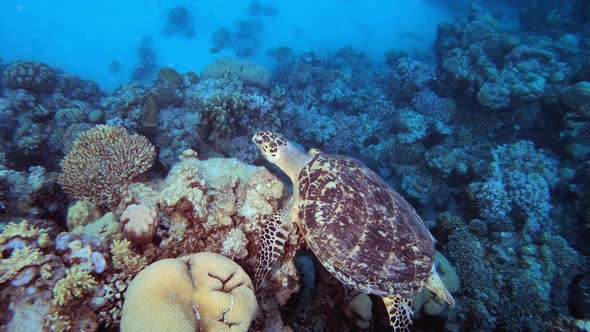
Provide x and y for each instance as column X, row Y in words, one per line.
column 201, row 292
column 105, row 228
column 102, row 162
column 359, row 310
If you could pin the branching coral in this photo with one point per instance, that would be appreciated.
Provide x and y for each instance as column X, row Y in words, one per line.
column 22, row 244
column 103, row 162
column 521, row 179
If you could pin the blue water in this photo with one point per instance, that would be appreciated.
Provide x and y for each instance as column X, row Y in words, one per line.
column 85, row 38
column 134, row 134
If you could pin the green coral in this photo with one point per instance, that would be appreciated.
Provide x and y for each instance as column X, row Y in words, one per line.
column 218, row 114
column 150, row 112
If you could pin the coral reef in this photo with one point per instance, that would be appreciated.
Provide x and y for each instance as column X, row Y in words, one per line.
column 247, row 72
column 488, row 138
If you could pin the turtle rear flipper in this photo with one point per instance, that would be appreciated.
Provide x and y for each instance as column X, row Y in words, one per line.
column 275, row 233
column 400, row 312
column 435, row 285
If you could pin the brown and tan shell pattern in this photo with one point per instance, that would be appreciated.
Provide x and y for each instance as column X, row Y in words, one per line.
column 362, row 231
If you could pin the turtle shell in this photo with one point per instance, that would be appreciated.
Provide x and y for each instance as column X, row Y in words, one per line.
column 366, row 234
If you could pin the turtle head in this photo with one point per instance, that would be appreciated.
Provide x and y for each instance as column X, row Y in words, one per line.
column 279, row 151
column 272, row 145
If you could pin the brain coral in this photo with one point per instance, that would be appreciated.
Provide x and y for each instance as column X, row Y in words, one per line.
column 29, row 75
column 102, row 162
column 199, row 292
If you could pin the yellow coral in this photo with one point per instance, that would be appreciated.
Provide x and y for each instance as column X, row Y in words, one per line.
column 125, row 259
column 217, row 114
column 21, row 230
column 77, row 281
column 19, row 259
column 202, row 291
column 82, row 213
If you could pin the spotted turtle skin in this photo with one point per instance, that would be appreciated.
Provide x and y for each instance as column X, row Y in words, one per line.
column 362, row 231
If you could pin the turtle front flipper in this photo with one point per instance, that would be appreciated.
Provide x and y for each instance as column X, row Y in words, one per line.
column 400, row 312
column 275, row 233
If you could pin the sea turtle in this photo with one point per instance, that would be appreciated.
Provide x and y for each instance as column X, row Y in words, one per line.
column 362, row 231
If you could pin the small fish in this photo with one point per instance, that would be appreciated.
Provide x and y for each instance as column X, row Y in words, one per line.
column 213, row 50
column 115, row 66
